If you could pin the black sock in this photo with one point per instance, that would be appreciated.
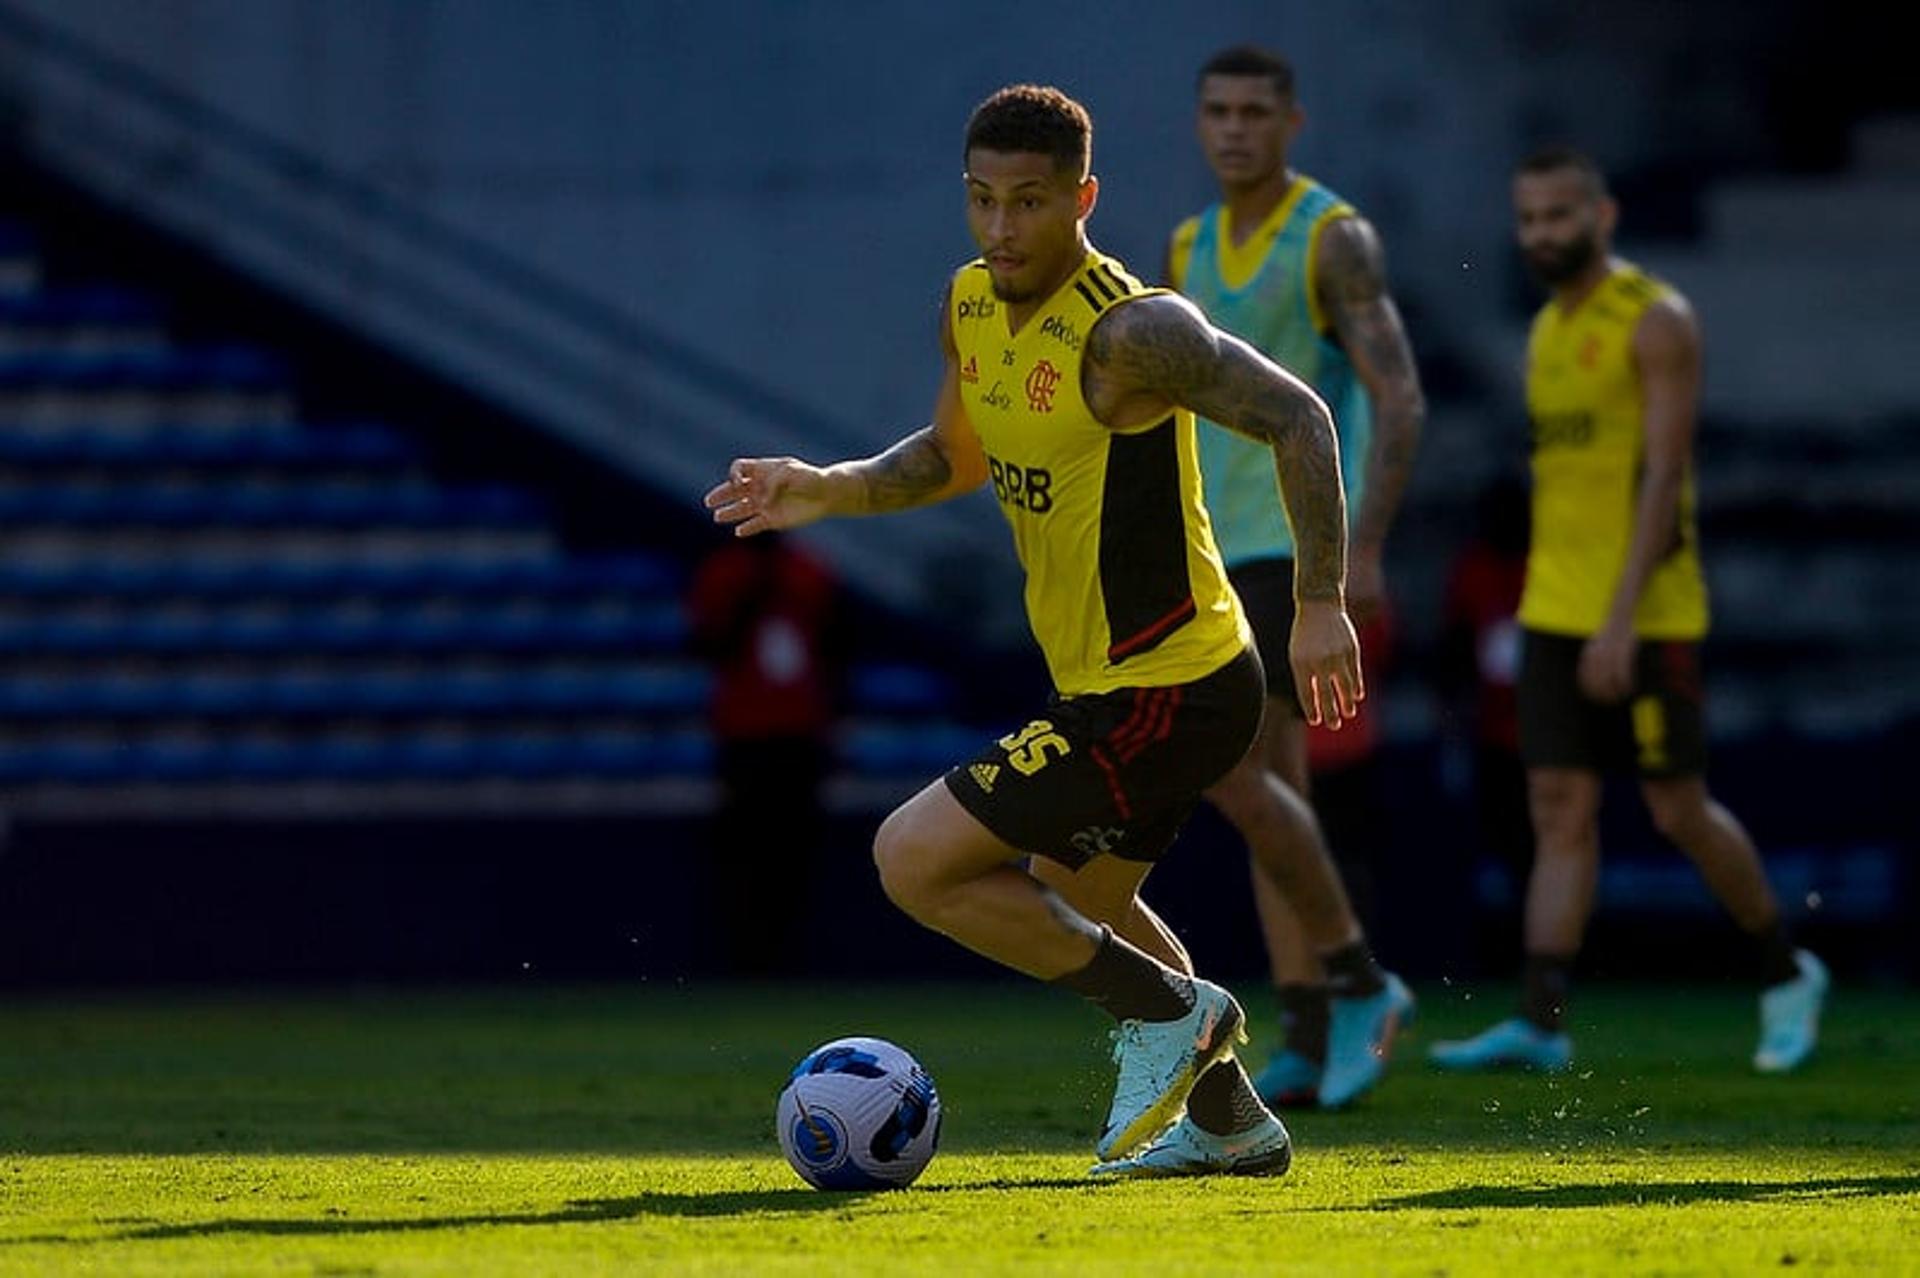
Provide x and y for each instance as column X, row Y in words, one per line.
column 1130, row 984
column 1351, row 971
column 1223, row 1101
column 1545, row 1000
column 1775, row 952
column 1303, row 1020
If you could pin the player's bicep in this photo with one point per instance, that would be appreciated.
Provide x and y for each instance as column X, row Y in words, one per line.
column 1666, row 355
column 1352, row 284
column 951, row 429
column 1164, row 347
column 955, row 433
column 1250, row 394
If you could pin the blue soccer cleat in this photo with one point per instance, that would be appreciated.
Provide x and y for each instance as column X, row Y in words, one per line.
column 1790, row 1017
column 1516, row 1043
column 1186, row 1150
column 1289, row 1080
column 1359, row 1039
column 1159, row 1063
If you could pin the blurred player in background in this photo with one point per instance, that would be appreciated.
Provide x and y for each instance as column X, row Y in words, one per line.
column 1284, row 263
column 1071, row 390
column 1479, row 667
column 767, row 617
column 1614, row 611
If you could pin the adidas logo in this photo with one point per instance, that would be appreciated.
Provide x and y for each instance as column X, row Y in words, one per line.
column 984, row 775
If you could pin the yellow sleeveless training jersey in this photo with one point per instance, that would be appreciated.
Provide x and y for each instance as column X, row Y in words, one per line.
column 1583, row 396
column 1124, row 583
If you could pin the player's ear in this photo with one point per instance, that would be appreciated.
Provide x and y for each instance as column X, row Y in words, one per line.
column 1088, row 196
column 1609, row 213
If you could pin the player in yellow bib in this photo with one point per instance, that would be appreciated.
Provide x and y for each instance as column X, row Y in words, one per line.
column 1070, row 389
column 1613, row 612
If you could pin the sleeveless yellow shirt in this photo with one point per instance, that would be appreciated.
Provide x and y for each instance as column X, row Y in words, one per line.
column 1124, row 586
column 1583, row 398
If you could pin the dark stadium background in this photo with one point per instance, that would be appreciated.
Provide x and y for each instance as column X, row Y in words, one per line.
column 362, row 297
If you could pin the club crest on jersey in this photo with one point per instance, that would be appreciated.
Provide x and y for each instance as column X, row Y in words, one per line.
column 1041, row 384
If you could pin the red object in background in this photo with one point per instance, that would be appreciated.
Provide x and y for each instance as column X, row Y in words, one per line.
column 1483, row 596
column 762, row 612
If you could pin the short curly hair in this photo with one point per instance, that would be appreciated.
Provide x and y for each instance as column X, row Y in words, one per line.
column 1036, row 118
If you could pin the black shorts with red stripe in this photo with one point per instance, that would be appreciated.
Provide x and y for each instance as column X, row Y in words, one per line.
column 1114, row 772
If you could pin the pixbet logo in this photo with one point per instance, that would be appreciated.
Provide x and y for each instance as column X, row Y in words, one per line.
column 976, row 307
column 1061, row 331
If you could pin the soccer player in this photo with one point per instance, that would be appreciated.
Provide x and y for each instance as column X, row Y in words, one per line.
column 1289, row 266
column 1071, row 389
column 1613, row 613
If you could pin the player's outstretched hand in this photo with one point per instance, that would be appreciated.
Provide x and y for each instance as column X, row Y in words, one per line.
column 760, row 494
column 1326, row 663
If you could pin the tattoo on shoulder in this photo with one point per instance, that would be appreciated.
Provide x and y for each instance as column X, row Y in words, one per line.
column 1159, row 344
column 1353, row 265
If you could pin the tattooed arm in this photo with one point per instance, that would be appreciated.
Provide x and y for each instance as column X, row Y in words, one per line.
column 1352, row 287
column 1147, row 355
column 938, row 461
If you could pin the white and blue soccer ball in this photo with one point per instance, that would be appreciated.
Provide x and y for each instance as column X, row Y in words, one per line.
column 858, row 1113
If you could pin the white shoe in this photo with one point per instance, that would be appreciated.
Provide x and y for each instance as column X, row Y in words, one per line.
column 1159, row 1063
column 1790, row 1017
column 1186, row 1150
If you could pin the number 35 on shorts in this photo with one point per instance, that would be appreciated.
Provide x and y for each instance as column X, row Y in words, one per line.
column 1027, row 748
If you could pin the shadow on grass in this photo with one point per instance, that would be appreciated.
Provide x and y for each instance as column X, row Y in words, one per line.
column 1633, row 1193
column 586, row 1211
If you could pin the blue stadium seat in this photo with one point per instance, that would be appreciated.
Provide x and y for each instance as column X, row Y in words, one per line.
column 84, row 305
column 260, row 506
column 897, row 689
column 918, row 749
column 185, row 444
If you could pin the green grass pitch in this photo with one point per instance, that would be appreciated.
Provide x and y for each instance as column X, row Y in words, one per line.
column 578, row 1131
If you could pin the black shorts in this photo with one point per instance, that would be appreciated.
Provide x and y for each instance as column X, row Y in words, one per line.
column 1114, row 772
column 1265, row 587
column 1659, row 731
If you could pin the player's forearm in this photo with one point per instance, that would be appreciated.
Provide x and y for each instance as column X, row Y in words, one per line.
column 1307, row 456
column 1656, row 517
column 1399, row 416
column 914, row 472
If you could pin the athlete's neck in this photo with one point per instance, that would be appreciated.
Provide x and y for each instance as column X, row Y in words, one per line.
column 1248, row 206
column 1568, row 296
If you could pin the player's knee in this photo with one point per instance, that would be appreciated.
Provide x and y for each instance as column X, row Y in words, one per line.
column 1677, row 812
column 1564, row 809
column 900, row 876
column 1243, row 792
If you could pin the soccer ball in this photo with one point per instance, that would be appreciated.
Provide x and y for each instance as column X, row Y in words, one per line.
column 858, row 1113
